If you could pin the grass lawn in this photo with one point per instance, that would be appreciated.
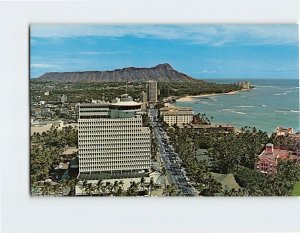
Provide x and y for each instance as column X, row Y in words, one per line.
column 296, row 191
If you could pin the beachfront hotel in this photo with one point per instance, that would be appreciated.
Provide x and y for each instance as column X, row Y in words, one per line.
column 268, row 159
column 175, row 115
column 281, row 131
column 112, row 140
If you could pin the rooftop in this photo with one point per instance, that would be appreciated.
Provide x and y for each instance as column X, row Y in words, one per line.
column 276, row 154
column 173, row 113
column 70, row 151
column 124, row 100
column 126, row 103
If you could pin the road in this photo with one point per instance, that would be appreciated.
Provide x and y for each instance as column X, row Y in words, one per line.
column 170, row 159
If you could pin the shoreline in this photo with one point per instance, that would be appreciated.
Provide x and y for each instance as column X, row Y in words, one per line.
column 189, row 98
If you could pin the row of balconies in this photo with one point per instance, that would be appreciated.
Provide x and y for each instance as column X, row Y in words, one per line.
column 93, row 169
column 109, row 163
column 115, row 158
column 109, row 128
column 124, row 133
column 120, row 147
column 112, row 167
column 112, row 142
column 133, row 134
column 128, row 133
column 116, row 138
column 108, row 121
column 115, row 152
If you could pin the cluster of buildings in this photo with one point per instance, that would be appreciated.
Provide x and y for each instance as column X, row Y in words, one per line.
column 245, row 85
column 47, row 110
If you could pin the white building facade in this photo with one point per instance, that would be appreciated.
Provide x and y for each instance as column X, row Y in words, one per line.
column 176, row 115
column 112, row 139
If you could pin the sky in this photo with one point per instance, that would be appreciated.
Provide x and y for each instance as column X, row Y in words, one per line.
column 267, row 51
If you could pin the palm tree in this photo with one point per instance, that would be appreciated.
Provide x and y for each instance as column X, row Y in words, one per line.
column 142, row 183
column 99, row 187
column 151, row 186
column 171, row 190
column 164, row 173
column 108, row 188
column 115, row 186
column 132, row 189
column 84, row 185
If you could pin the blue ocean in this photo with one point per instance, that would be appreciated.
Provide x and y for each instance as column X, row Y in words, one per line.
column 270, row 104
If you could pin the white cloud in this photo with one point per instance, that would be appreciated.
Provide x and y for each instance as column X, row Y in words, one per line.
column 203, row 34
column 98, row 53
column 40, row 65
column 207, row 71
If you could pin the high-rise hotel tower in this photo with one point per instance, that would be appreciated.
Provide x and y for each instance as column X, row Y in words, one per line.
column 152, row 91
column 112, row 140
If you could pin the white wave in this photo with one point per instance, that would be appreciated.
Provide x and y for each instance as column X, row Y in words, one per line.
column 244, row 106
column 205, row 102
column 292, row 91
column 243, row 113
column 227, row 109
column 280, row 111
column 263, row 105
column 287, row 111
column 266, row 86
column 214, row 99
column 233, row 111
column 281, row 93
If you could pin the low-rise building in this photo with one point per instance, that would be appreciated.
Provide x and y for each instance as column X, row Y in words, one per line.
column 43, row 126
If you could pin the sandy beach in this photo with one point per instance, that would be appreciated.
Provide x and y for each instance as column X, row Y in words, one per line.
column 191, row 97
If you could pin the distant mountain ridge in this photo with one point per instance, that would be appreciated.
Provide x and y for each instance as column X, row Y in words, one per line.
column 161, row 73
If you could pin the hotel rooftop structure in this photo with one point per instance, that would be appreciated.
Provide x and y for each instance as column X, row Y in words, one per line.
column 112, row 140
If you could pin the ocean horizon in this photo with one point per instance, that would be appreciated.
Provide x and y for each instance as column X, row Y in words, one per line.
column 271, row 103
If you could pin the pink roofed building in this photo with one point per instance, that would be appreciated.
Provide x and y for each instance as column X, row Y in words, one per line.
column 268, row 160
